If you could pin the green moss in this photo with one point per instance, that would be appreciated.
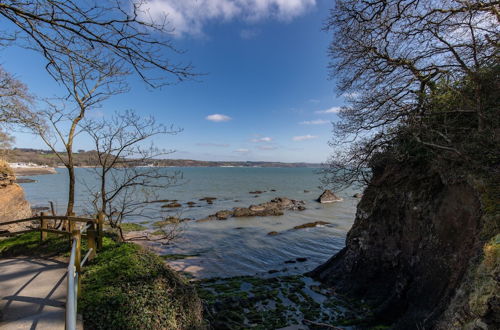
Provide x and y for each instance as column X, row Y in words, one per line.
column 130, row 226
column 178, row 256
column 126, row 287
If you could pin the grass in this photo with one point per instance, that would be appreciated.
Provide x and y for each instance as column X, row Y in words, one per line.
column 130, row 226
column 29, row 244
column 127, row 287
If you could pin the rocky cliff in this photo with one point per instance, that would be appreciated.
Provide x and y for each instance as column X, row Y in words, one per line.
column 424, row 250
column 13, row 205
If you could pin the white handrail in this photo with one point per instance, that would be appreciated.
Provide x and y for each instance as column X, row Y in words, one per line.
column 71, row 292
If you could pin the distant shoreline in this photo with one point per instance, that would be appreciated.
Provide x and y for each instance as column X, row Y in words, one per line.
column 25, row 171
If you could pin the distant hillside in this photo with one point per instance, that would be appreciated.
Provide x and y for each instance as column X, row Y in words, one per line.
column 87, row 158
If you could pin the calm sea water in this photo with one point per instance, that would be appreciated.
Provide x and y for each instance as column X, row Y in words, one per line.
column 237, row 246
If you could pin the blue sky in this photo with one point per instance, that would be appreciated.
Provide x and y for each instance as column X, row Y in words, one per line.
column 265, row 94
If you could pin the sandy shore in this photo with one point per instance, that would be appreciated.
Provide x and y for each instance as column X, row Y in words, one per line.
column 23, row 171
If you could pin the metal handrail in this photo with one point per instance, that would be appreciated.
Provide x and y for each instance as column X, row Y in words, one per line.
column 72, row 289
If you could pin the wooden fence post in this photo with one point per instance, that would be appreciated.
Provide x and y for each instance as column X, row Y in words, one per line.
column 92, row 239
column 100, row 225
column 43, row 225
column 71, row 224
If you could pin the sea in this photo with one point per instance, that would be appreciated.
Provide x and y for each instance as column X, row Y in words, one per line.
column 237, row 246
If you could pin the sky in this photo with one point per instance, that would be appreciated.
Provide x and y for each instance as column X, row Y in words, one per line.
column 264, row 92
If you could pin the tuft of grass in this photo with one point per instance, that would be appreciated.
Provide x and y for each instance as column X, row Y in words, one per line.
column 127, row 287
column 130, row 226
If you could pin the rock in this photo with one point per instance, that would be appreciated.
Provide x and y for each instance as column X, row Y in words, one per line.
column 37, row 209
column 256, row 192
column 191, row 203
column 273, row 190
column 171, row 205
column 208, row 199
column 311, row 224
column 257, row 208
column 301, row 259
column 272, row 233
column 301, row 208
column 306, row 191
column 241, row 212
column 329, row 197
column 24, row 180
column 357, row 195
column 290, row 261
column 273, row 271
column 13, row 206
column 223, row 215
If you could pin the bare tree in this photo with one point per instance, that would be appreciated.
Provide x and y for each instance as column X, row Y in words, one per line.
column 15, row 99
column 128, row 183
column 390, row 58
column 87, row 85
column 122, row 30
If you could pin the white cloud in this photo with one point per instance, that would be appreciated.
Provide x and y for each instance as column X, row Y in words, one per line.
column 216, row 117
column 262, row 139
column 190, row 16
column 209, row 144
column 267, row 147
column 249, row 33
column 349, row 96
column 304, row 137
column 242, row 150
column 331, row 110
column 315, row 122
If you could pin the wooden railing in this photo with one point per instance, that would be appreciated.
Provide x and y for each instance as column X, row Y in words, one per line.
column 92, row 230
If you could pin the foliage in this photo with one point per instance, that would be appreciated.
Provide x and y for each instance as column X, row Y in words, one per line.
column 126, row 287
column 418, row 74
column 5, row 169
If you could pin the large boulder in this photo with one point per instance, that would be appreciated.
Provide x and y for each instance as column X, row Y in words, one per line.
column 328, row 197
column 13, row 205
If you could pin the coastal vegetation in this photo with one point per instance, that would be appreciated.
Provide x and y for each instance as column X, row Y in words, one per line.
column 124, row 287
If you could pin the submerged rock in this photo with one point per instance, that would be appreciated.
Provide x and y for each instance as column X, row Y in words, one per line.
column 357, row 195
column 171, row 205
column 272, row 233
column 223, row 215
column 275, row 207
column 311, row 224
column 329, row 197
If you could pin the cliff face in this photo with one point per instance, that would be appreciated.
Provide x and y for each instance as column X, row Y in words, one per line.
column 12, row 203
column 422, row 250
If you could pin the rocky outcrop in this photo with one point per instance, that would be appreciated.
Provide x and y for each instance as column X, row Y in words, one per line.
column 418, row 251
column 275, row 207
column 328, row 197
column 13, row 205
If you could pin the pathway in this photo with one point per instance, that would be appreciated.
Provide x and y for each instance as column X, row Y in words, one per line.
column 32, row 293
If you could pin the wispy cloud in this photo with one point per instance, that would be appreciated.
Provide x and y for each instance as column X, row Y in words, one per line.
column 315, row 122
column 262, row 139
column 249, row 33
column 315, row 101
column 304, row 137
column 242, row 150
column 330, row 110
column 191, row 16
column 216, row 117
column 267, row 147
column 208, row 144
